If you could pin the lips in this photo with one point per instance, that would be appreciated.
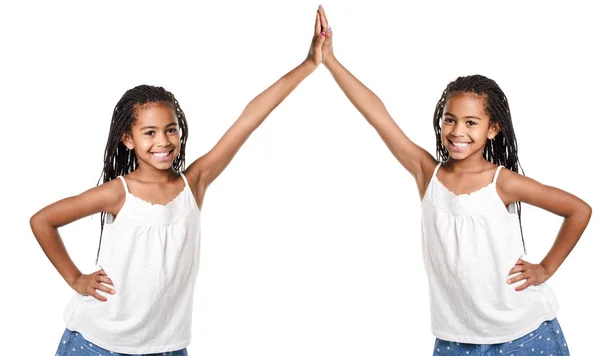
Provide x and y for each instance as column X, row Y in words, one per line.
column 163, row 156
column 459, row 145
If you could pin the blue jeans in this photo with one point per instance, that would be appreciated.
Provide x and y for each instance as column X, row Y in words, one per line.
column 547, row 340
column 73, row 344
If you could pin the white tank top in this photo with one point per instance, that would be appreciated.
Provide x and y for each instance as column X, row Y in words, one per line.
column 150, row 252
column 470, row 243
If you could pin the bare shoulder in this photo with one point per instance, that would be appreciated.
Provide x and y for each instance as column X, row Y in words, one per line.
column 109, row 196
column 508, row 183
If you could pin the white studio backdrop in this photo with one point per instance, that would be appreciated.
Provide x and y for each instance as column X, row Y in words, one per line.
column 311, row 237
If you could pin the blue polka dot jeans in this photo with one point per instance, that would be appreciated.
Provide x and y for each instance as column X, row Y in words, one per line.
column 547, row 340
column 73, row 344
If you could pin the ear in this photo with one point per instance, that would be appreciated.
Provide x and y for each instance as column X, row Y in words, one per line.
column 127, row 140
column 493, row 131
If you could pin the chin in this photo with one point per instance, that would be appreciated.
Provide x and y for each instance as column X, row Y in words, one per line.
column 457, row 156
column 164, row 167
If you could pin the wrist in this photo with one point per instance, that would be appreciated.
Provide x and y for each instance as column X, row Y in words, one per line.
column 548, row 268
column 309, row 64
column 330, row 61
column 72, row 280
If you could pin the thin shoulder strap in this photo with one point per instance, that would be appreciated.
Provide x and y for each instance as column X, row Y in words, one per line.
column 184, row 179
column 436, row 170
column 496, row 174
column 124, row 184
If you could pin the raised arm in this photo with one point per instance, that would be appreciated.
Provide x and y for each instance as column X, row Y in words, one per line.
column 414, row 158
column 208, row 167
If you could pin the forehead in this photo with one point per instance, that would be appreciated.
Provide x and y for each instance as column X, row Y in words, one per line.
column 466, row 104
column 154, row 114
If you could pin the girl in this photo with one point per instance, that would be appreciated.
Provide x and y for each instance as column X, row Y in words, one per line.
column 140, row 299
column 484, row 298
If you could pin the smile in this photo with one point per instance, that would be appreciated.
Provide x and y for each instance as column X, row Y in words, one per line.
column 459, row 144
column 163, row 155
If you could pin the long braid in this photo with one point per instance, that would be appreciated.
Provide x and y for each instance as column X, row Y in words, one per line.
column 118, row 160
column 502, row 150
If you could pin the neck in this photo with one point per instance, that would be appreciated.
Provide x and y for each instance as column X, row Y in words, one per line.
column 148, row 173
column 473, row 163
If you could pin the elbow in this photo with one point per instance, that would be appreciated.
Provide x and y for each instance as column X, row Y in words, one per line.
column 584, row 213
column 36, row 221
column 587, row 209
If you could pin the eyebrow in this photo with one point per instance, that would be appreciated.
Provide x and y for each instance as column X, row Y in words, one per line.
column 466, row 117
column 156, row 127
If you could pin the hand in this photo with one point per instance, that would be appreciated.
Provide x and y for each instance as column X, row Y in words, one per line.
column 534, row 274
column 328, row 56
column 315, row 54
column 87, row 284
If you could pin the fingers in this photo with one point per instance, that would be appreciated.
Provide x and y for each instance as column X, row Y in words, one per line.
column 523, row 276
column 104, row 288
column 324, row 22
column 318, row 27
column 517, row 269
column 325, row 28
column 99, row 282
column 526, row 272
column 524, row 285
column 517, row 278
column 105, row 280
column 92, row 292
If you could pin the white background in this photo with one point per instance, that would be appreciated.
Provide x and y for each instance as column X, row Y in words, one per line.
column 311, row 237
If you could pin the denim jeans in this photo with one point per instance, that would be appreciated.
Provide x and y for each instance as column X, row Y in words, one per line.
column 73, row 344
column 547, row 340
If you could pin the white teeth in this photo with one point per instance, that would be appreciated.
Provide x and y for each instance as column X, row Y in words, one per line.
column 163, row 154
column 460, row 144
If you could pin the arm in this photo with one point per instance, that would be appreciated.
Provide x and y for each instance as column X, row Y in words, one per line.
column 208, row 167
column 108, row 197
column 576, row 213
column 414, row 158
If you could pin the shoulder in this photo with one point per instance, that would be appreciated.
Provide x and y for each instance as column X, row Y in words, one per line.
column 508, row 179
column 512, row 186
column 110, row 195
column 112, row 188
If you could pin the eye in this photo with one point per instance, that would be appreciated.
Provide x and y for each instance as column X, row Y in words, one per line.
column 448, row 120
column 471, row 123
column 172, row 130
column 149, row 133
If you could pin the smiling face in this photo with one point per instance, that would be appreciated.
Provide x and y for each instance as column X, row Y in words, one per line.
column 466, row 125
column 154, row 136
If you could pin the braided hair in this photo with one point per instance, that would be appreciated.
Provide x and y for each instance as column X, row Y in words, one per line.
column 502, row 149
column 118, row 160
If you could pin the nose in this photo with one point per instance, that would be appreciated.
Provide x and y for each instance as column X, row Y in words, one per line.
column 457, row 130
column 162, row 140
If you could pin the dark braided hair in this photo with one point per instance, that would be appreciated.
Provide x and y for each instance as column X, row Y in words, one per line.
column 502, row 149
column 118, row 160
